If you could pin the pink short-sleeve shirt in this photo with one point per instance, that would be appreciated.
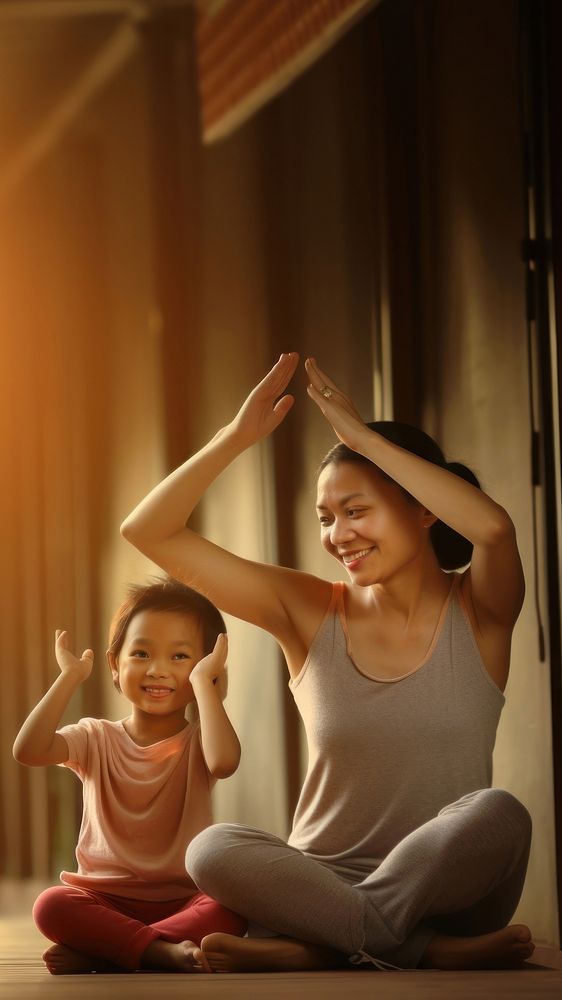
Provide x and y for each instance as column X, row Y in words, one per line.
column 142, row 806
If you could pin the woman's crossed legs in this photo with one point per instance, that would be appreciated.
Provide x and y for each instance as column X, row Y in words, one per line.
column 442, row 897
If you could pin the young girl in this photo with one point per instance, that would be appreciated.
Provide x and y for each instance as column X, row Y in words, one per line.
column 400, row 853
column 147, row 783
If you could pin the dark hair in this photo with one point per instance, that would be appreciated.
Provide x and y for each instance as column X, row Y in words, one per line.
column 452, row 550
column 166, row 594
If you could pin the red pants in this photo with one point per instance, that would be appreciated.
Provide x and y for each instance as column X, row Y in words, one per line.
column 119, row 930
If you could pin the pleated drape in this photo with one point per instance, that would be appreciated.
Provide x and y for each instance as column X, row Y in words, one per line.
column 250, row 50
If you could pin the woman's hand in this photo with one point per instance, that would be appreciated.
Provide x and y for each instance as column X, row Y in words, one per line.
column 336, row 407
column 68, row 662
column 266, row 406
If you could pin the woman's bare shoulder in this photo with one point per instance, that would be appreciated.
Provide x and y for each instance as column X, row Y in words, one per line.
column 306, row 599
column 304, row 596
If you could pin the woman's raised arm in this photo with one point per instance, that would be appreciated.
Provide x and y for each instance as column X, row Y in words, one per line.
column 164, row 512
column 256, row 592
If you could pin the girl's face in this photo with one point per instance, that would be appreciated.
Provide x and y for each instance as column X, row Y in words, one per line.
column 367, row 523
column 158, row 654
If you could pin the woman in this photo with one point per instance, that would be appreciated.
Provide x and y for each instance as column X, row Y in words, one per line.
column 400, row 853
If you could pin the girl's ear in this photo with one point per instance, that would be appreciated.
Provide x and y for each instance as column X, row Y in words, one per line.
column 114, row 667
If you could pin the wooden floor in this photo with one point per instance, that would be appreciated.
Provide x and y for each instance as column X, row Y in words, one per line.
column 24, row 977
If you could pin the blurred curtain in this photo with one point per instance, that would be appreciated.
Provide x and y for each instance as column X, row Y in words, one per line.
column 52, row 498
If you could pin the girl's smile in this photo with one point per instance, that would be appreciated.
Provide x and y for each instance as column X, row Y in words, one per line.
column 158, row 692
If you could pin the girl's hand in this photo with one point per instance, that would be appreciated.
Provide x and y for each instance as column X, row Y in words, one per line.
column 266, row 406
column 68, row 662
column 219, row 742
column 212, row 666
column 336, row 407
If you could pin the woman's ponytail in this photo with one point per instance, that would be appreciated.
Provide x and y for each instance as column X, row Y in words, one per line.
column 453, row 551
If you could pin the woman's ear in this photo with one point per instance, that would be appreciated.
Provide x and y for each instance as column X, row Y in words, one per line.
column 113, row 662
column 428, row 519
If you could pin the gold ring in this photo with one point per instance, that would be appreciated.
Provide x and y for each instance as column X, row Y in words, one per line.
column 326, row 392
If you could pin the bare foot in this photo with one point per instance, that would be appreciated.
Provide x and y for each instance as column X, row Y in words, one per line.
column 503, row 949
column 227, row 953
column 63, row 961
column 183, row 957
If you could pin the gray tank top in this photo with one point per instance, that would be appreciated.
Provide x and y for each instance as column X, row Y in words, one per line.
column 386, row 756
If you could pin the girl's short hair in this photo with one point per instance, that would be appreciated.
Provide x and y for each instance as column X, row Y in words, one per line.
column 453, row 551
column 166, row 594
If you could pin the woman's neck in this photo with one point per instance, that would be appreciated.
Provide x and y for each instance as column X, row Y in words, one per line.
column 410, row 593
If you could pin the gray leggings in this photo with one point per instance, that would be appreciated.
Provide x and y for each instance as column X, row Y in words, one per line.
column 460, row 873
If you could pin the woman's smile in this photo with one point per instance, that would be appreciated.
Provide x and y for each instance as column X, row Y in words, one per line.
column 352, row 559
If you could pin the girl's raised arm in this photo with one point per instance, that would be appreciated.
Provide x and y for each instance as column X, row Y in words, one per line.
column 495, row 582
column 256, row 592
column 219, row 742
column 38, row 742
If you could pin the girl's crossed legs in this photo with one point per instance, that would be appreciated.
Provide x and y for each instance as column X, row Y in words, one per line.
column 442, row 897
column 95, row 931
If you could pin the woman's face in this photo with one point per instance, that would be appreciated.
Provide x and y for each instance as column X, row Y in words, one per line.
column 368, row 524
